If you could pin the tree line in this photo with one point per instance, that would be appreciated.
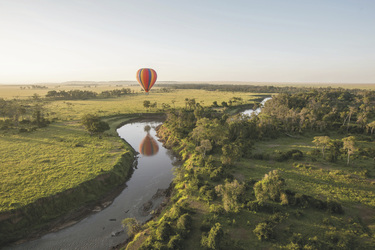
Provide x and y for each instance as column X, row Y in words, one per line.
column 85, row 94
column 251, row 88
column 24, row 115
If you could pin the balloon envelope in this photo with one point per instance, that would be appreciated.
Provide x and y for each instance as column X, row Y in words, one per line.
column 146, row 78
column 148, row 146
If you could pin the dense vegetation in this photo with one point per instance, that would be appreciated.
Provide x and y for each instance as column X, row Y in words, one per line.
column 298, row 176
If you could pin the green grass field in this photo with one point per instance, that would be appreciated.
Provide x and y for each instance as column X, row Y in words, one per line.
column 74, row 109
column 51, row 160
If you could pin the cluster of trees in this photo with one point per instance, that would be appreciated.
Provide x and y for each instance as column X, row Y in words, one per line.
column 321, row 110
column 85, row 94
column 94, row 124
column 168, row 232
column 34, row 87
column 198, row 133
column 24, row 115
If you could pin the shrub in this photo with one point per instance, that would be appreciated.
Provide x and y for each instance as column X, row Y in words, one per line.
column 207, row 193
column 216, row 209
column 184, row 222
column 175, row 242
column 214, row 237
column 264, row 231
column 334, row 207
column 163, row 231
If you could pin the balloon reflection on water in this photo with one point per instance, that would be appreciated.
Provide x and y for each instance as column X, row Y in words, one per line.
column 148, row 146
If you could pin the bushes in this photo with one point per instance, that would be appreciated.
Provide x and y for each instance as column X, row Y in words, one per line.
column 306, row 201
column 184, row 222
column 265, row 230
column 214, row 237
column 163, row 232
column 231, row 193
column 294, row 154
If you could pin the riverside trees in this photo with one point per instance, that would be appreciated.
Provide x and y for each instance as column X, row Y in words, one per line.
column 216, row 148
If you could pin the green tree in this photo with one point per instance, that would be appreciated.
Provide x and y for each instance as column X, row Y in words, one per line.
column 231, row 193
column 270, row 187
column 371, row 127
column 164, row 231
column 93, row 124
column 349, row 146
column 230, row 153
column 205, row 147
column 146, row 104
column 214, row 237
column 322, row 141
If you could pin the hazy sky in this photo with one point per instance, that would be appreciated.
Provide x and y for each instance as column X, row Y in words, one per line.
column 264, row 40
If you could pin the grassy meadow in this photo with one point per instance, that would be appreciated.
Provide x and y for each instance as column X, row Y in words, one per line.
column 51, row 160
column 73, row 109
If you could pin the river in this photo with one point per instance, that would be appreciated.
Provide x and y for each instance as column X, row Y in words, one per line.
column 103, row 229
column 257, row 111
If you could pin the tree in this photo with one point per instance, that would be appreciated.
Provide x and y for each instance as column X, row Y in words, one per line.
column 146, row 104
column 213, row 239
column 93, row 124
column 349, row 146
column 270, row 187
column 230, row 153
column 205, row 146
column 163, row 231
column 231, row 193
column 371, row 127
column 322, row 141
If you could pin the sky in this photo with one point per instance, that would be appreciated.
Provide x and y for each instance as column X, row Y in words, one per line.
column 310, row 41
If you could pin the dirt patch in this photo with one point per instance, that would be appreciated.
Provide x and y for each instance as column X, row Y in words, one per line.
column 367, row 216
column 239, row 234
column 239, row 176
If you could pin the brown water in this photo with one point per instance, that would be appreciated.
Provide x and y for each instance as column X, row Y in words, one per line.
column 103, row 229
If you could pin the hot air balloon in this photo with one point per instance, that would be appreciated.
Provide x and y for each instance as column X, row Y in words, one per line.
column 146, row 78
column 148, row 146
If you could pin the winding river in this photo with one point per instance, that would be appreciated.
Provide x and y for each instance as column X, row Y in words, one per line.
column 103, row 229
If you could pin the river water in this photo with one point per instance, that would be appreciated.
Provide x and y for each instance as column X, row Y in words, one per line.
column 103, row 229
column 257, row 111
